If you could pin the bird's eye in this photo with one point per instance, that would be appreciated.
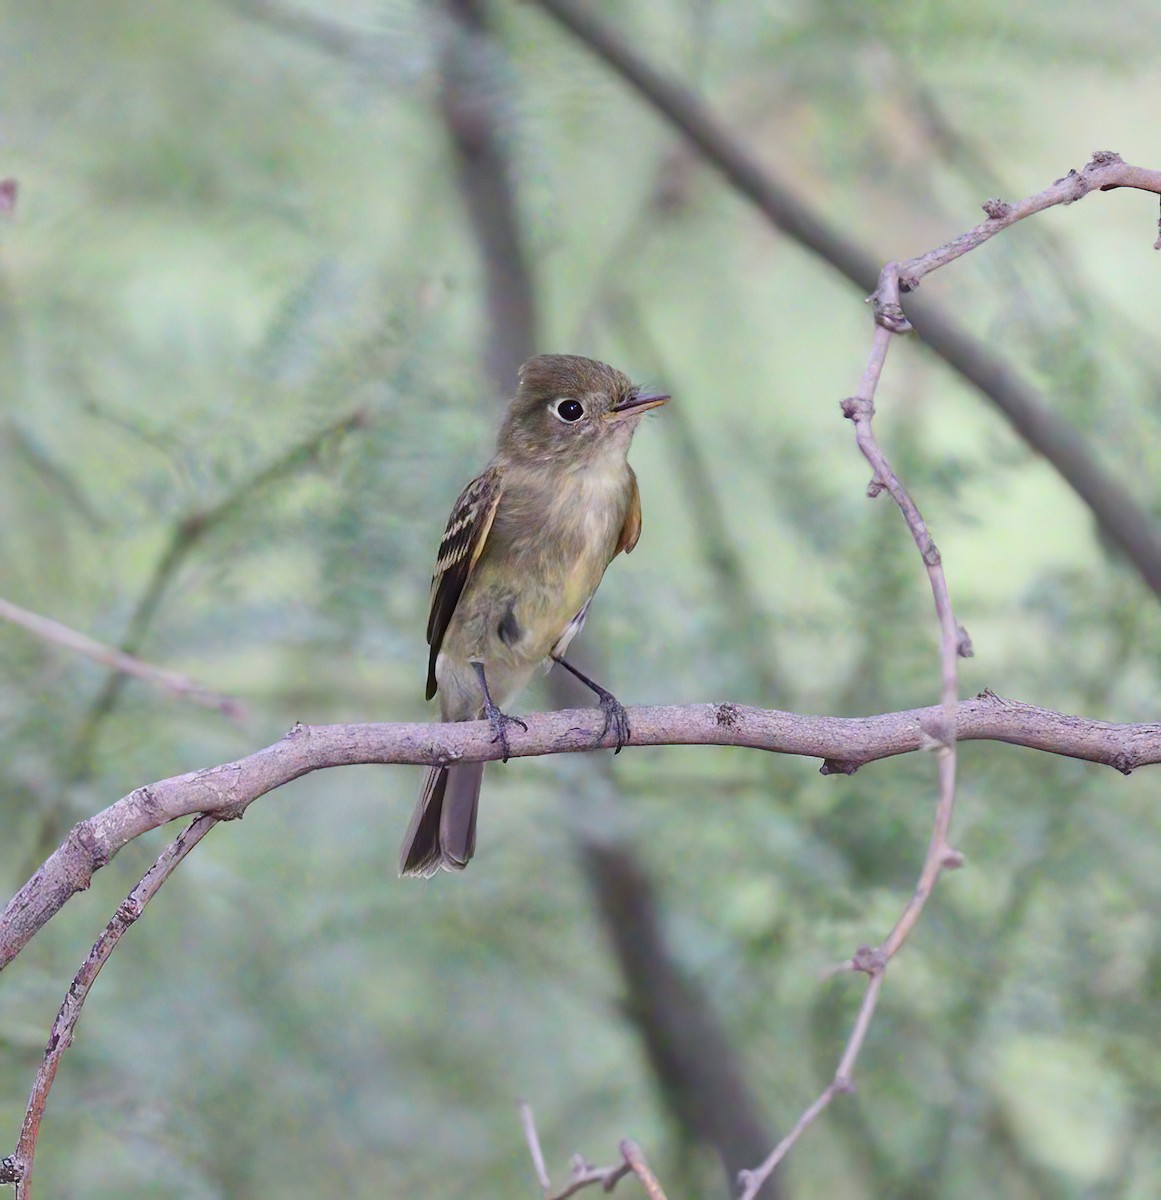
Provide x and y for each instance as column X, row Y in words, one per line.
column 569, row 410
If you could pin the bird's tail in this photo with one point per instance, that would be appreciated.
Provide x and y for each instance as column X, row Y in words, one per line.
column 442, row 832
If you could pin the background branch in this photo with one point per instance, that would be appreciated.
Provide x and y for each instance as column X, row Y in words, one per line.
column 186, row 535
column 583, row 1175
column 117, row 660
column 1122, row 519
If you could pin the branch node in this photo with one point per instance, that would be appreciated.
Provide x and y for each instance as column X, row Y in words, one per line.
column 891, row 316
column 952, row 859
column 931, row 556
column 1104, row 158
column 844, row 1085
column 996, row 209
column 727, row 715
column 857, row 408
column 875, row 488
column 869, row 959
column 1078, row 186
column 10, row 1171
column 963, row 643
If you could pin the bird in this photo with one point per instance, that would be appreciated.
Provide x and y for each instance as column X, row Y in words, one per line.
column 525, row 548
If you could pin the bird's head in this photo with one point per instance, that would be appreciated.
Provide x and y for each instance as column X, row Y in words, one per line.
column 571, row 409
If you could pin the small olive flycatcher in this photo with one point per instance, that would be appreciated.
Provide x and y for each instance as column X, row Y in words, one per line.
column 524, row 549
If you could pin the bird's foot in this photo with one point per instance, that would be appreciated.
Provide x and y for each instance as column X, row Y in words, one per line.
column 500, row 722
column 616, row 718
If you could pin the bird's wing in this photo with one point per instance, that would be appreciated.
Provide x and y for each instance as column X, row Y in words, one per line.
column 631, row 530
column 463, row 543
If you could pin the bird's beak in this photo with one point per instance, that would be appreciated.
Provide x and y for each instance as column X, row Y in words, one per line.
column 635, row 402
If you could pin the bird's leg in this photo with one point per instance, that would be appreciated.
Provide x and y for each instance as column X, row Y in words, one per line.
column 500, row 720
column 614, row 710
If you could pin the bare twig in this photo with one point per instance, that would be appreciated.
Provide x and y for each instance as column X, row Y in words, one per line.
column 582, row 1174
column 843, row 743
column 173, row 682
column 636, row 1160
column 532, row 1138
column 17, row 1168
column 1104, row 172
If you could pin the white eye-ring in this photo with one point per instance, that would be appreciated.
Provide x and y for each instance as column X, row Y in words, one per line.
column 567, row 409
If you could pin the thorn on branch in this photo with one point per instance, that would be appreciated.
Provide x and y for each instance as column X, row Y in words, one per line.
column 996, row 209
column 838, row 766
column 857, row 408
column 875, row 488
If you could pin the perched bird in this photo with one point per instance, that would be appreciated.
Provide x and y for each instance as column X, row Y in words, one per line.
column 525, row 547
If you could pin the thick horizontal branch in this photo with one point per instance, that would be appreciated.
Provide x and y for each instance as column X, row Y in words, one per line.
column 843, row 743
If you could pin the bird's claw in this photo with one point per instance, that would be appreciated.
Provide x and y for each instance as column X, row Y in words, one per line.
column 500, row 722
column 616, row 718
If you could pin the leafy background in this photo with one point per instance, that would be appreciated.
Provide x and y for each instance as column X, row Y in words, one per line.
column 232, row 235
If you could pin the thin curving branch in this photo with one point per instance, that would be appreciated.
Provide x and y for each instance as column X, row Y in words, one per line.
column 17, row 1167
column 1122, row 519
column 953, row 643
column 1105, row 172
column 843, row 743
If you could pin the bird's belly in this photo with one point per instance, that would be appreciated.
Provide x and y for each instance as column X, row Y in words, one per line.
column 530, row 587
column 516, row 615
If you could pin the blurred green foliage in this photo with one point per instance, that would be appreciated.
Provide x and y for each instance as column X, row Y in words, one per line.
column 228, row 239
